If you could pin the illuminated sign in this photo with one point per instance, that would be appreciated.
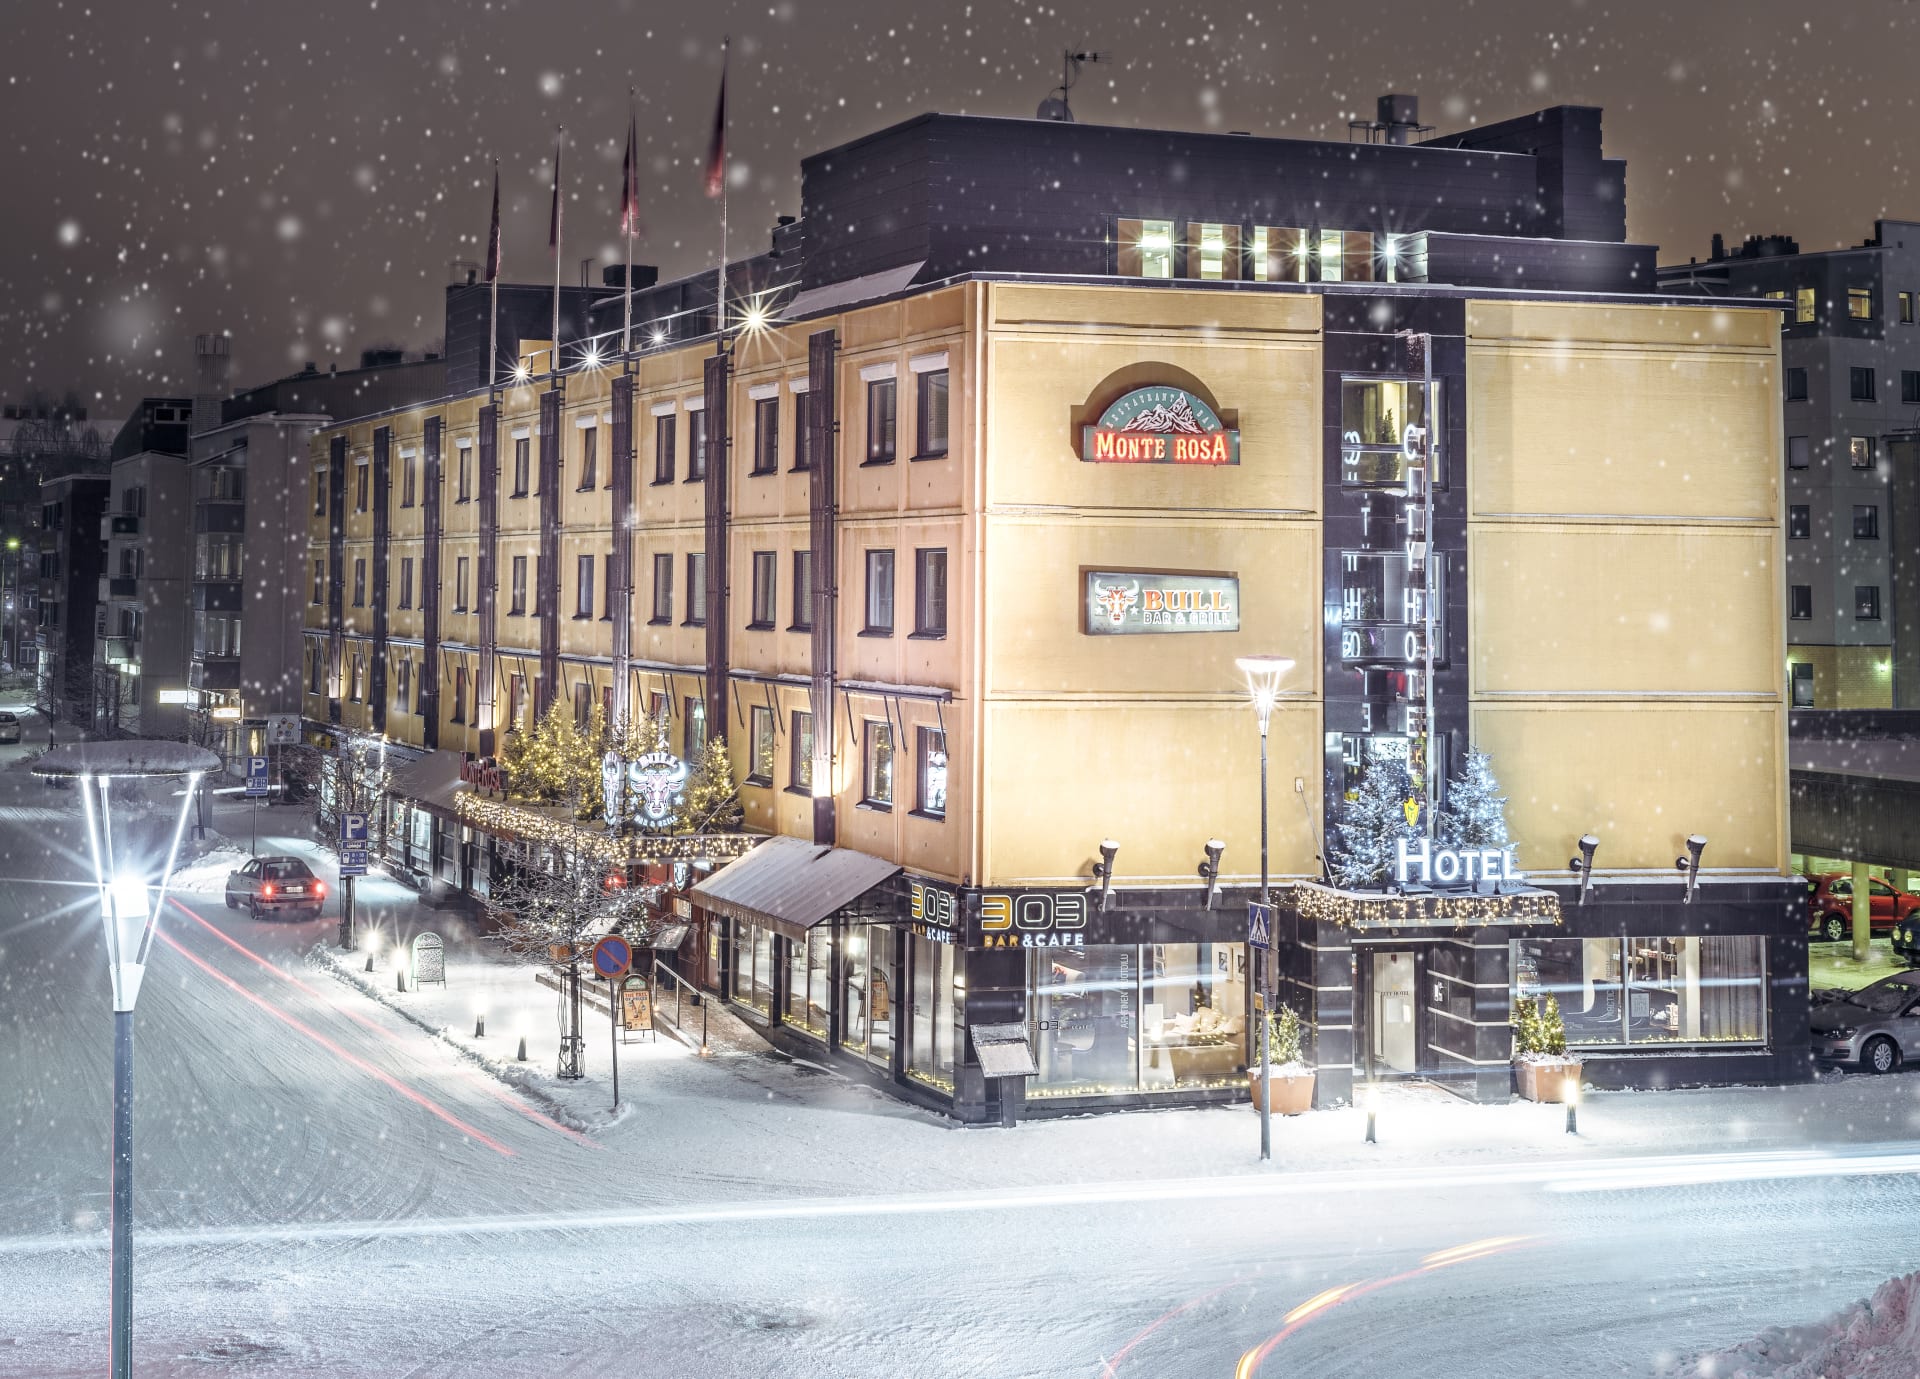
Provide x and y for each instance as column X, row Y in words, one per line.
column 1418, row 862
column 1159, row 426
column 935, row 912
column 1119, row 603
column 483, row 774
column 176, row 696
column 652, row 784
column 1033, row 919
column 227, row 713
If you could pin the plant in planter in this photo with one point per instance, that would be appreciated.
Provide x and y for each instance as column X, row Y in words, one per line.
column 1542, row 1067
column 1289, row 1089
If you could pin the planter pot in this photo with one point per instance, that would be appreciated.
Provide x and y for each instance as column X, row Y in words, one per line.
column 1545, row 1081
column 1290, row 1094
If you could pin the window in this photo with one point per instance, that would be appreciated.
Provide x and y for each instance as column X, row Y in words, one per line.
column 589, row 457
column 876, row 774
column 356, row 678
column 663, row 449
column 1910, row 385
column 1803, row 305
column 883, row 401
column 802, row 431
column 766, row 435
column 316, row 669
column 319, row 581
column 583, row 586
column 582, row 705
column 517, row 590
column 1278, row 255
column 1145, row 248
column 1797, row 452
column 1374, row 415
column 406, row 582
column 1800, row 602
column 522, row 463
column 460, row 694
column 933, row 772
column 760, row 731
column 935, row 1024
column 1799, row 522
column 694, row 742
column 1796, row 385
column 606, row 599
column 1860, row 303
column 662, row 590
column 466, row 474
column 1648, row 990
column 697, row 589
column 1213, row 251
column 696, row 445
column 931, row 439
column 1866, row 521
column 359, row 486
column 1906, row 308
column 1860, row 451
column 930, row 592
column 516, row 702
column 409, row 477
column 802, row 592
column 360, row 582
column 419, row 690
column 879, row 594
column 403, row 686
column 763, row 592
column 319, row 493
column 460, row 585
column 800, row 753
column 1802, row 684
column 1860, row 384
column 1866, row 602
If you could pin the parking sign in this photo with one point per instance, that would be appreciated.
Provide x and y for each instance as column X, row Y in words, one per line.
column 256, row 777
column 353, row 829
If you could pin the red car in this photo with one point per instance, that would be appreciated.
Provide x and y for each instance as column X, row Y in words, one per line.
column 1830, row 905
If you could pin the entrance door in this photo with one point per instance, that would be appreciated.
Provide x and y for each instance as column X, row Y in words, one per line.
column 1392, row 1036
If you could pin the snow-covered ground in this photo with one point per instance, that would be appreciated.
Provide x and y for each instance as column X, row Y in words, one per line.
column 1875, row 1338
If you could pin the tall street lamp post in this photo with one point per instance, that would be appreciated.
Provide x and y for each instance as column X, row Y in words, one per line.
column 1263, row 684
column 131, row 873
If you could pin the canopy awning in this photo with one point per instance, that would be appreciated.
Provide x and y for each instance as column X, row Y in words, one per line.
column 790, row 885
column 431, row 780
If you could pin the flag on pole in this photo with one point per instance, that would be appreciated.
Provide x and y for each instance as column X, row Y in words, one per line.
column 493, row 229
column 630, row 182
column 717, row 150
column 553, row 220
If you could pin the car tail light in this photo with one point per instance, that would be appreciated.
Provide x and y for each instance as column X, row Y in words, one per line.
column 266, row 891
column 319, row 888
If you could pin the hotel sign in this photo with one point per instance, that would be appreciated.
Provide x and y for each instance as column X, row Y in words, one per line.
column 1121, row 603
column 1159, row 426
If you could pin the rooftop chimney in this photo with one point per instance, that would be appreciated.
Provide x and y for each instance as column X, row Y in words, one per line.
column 1397, row 118
column 212, row 363
column 1719, row 248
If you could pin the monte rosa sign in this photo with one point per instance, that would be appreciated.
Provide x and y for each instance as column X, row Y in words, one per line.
column 1159, row 426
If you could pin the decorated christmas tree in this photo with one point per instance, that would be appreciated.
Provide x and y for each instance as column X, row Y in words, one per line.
column 712, row 798
column 557, row 762
column 1476, row 813
column 1363, row 841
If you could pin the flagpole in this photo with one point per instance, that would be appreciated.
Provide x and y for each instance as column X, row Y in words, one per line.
column 630, row 213
column 560, row 134
column 720, row 292
column 493, row 287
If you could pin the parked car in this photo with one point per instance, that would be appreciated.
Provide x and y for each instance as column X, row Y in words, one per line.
column 1876, row 1027
column 9, row 726
column 1905, row 940
column 1830, row 905
column 271, row 885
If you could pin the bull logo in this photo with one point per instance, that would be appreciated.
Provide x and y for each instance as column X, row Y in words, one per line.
column 1117, row 600
column 655, row 780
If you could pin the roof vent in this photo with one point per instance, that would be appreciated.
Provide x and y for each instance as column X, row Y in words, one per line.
column 1397, row 117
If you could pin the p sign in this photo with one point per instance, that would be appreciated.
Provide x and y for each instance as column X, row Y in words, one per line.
column 612, row 956
column 353, row 829
column 256, row 777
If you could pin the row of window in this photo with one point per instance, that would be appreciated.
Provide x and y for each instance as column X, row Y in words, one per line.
column 1860, row 452
column 1806, row 304
column 1215, row 251
column 1866, row 602
column 1862, row 384
column 931, row 439
column 1866, row 522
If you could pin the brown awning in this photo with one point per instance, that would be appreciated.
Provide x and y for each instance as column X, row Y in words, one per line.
column 790, row 885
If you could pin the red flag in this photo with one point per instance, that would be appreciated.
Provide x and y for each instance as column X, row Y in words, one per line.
column 717, row 150
column 553, row 220
column 493, row 229
column 630, row 183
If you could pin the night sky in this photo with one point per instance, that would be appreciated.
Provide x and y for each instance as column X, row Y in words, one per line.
column 300, row 175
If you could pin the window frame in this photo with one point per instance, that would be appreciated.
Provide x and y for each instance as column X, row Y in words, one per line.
column 1799, row 603
column 406, row 582
column 696, row 590
column 925, row 559
column 589, row 458
column 361, row 471
column 879, row 558
column 873, row 732
column 1796, row 381
column 517, row 587
column 1131, row 259
column 1806, row 306
column 460, row 584
column 1804, row 449
column 1863, row 384
column 662, row 615
column 1866, row 596
column 1860, row 303
column 1905, row 316
column 877, row 452
column 665, row 442
column 924, row 735
column 409, row 477
column 1858, row 446
column 583, row 587
column 800, row 763
column 1866, row 521
column 802, row 592
column 359, row 581
column 765, row 596
column 522, row 466
column 1799, row 522
column 766, row 436
column 923, row 442
column 464, row 474
column 696, row 445
column 802, row 431
column 759, row 716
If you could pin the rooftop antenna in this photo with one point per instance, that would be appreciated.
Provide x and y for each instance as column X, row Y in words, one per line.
column 1055, row 106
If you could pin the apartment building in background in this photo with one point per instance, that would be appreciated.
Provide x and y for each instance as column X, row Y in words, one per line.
column 140, row 644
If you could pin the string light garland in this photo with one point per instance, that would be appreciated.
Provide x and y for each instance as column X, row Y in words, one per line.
column 557, row 829
column 1383, row 910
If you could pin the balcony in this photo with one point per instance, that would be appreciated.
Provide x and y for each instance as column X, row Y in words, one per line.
column 119, row 524
column 216, row 596
column 221, row 517
column 121, row 586
column 119, row 651
column 214, row 672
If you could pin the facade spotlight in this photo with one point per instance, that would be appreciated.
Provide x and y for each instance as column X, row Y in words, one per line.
column 1103, row 871
column 1582, row 866
column 1689, row 866
column 1210, row 870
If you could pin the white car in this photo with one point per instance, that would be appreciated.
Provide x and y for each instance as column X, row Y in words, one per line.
column 9, row 726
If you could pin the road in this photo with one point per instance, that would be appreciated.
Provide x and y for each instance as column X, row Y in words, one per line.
column 325, row 1190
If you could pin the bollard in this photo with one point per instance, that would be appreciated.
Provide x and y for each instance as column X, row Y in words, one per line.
column 479, row 1027
column 369, row 959
column 1571, row 1095
column 399, row 979
column 521, row 1056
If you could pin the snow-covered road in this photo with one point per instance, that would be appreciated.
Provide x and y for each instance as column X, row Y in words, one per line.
column 326, row 1190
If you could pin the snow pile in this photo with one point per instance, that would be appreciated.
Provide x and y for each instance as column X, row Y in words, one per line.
column 1875, row 1339
column 207, row 873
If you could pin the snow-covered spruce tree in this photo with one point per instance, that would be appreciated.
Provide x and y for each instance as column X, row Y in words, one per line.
column 557, row 762
column 712, row 798
column 1476, row 813
column 1363, row 841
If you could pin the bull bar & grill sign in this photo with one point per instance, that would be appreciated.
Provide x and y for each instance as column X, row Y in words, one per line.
column 1125, row 602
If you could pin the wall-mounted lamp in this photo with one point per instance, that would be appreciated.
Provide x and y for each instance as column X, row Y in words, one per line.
column 1210, row 870
column 1689, row 866
column 1103, row 871
column 1582, row 866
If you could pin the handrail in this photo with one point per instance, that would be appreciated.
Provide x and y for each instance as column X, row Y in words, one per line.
column 680, row 986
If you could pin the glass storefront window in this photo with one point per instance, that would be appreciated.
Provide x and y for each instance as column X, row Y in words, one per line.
column 930, row 973
column 1374, row 416
column 807, row 983
column 868, row 1021
column 1640, row 991
column 753, row 967
column 1193, row 1028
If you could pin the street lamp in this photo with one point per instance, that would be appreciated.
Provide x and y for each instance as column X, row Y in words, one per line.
column 1263, row 684
column 130, row 901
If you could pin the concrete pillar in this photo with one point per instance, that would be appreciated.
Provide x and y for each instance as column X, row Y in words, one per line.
column 1900, row 878
column 1862, row 911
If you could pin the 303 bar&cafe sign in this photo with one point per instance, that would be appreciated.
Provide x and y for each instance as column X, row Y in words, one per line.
column 1159, row 425
column 1126, row 602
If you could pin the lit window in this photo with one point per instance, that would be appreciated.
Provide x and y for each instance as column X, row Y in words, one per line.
column 879, row 594
column 933, row 771
column 760, row 763
column 1278, row 255
column 1213, row 251
column 1860, row 303
column 877, row 764
column 800, row 747
column 1802, row 684
column 1146, row 248
column 1860, row 451
column 1906, row 308
column 1803, row 305
column 1866, row 602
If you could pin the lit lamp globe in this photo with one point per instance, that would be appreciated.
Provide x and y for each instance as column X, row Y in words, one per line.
column 133, row 839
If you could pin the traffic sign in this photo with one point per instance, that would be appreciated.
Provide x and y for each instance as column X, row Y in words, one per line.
column 353, row 829
column 283, row 729
column 1259, row 924
column 612, row 956
column 353, row 861
column 256, row 777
